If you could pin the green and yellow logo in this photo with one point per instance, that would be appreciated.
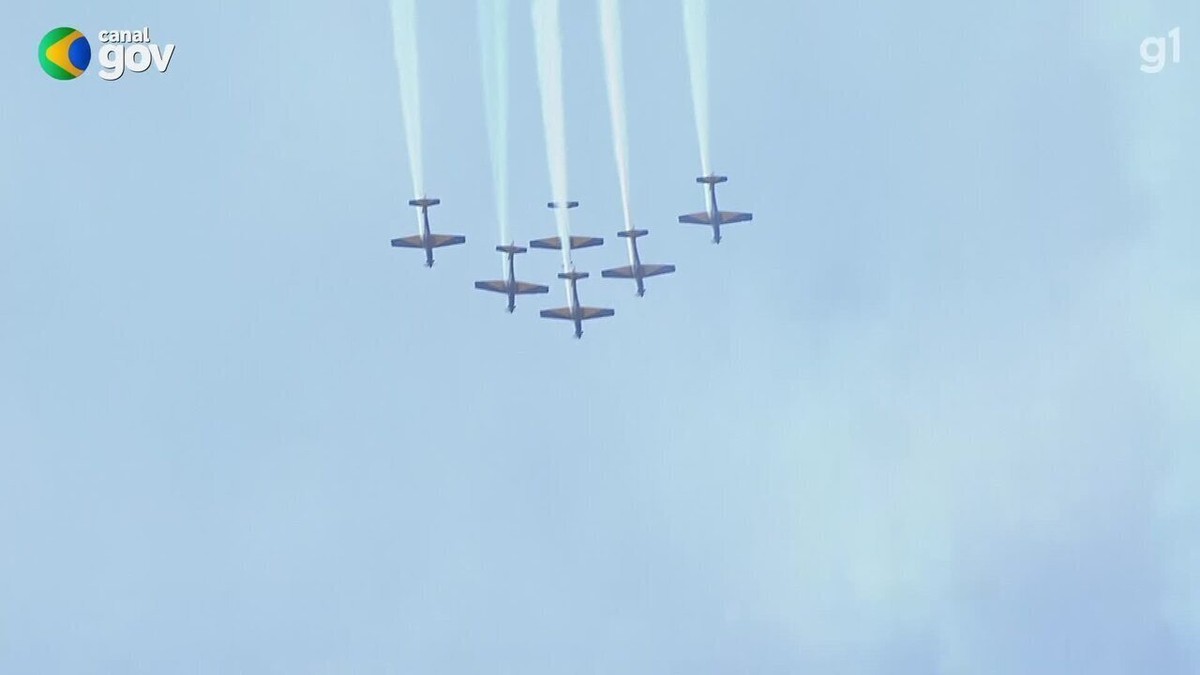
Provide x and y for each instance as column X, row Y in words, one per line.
column 64, row 53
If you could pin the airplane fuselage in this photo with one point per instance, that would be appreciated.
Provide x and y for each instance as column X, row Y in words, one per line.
column 714, row 213
column 510, row 280
column 635, row 261
column 573, row 304
column 713, row 216
column 423, row 230
column 424, row 239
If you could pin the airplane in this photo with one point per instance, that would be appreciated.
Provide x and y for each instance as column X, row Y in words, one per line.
column 714, row 217
column 509, row 285
column 636, row 270
column 424, row 239
column 576, row 241
column 574, row 311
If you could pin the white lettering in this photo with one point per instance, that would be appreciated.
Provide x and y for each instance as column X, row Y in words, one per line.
column 162, row 59
column 132, row 61
column 1153, row 63
column 112, row 62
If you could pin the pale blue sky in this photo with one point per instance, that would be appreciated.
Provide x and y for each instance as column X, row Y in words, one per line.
column 934, row 411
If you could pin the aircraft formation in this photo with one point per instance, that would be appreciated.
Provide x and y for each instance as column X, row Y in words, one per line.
column 575, row 311
column 493, row 25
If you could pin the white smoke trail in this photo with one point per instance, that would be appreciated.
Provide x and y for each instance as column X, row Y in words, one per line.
column 404, row 33
column 493, row 42
column 610, row 37
column 695, row 25
column 548, row 37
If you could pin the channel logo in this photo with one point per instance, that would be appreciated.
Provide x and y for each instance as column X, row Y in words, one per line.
column 64, row 53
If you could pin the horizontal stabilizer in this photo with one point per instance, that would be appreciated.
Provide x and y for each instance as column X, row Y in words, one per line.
column 562, row 205
column 576, row 242
column 424, row 202
column 409, row 242
column 511, row 249
column 712, row 179
column 633, row 234
column 699, row 218
column 734, row 217
column 573, row 275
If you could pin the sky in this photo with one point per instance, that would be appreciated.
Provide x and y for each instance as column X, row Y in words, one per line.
column 935, row 410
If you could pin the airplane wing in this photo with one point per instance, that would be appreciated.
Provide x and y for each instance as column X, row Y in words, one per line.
column 699, row 218
column 655, row 270
column 734, row 217
column 440, row 240
column 524, row 288
column 409, row 242
column 494, row 286
column 548, row 242
column 576, row 241
column 625, row 272
column 560, row 313
column 595, row 313
column 585, row 242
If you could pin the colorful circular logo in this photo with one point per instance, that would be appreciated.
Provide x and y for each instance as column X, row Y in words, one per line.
column 64, row 53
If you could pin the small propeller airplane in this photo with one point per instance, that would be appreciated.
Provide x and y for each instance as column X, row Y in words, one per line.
column 509, row 285
column 574, row 311
column 423, row 239
column 714, row 217
column 636, row 270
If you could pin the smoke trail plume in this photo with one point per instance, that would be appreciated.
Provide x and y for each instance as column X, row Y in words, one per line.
column 493, row 42
column 695, row 25
column 610, row 38
column 404, row 33
column 548, row 37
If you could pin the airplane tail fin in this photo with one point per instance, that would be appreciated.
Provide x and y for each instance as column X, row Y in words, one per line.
column 562, row 205
column 712, row 179
column 573, row 275
column 424, row 202
column 511, row 249
column 633, row 234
